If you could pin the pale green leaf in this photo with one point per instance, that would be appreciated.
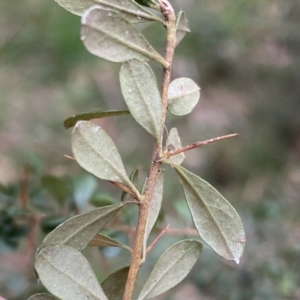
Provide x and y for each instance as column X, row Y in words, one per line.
column 95, row 151
column 155, row 203
column 216, row 221
column 78, row 231
column 130, row 10
column 41, row 297
column 171, row 268
column 183, row 96
column 141, row 94
column 107, row 35
column 71, row 121
column 182, row 27
column 101, row 240
column 67, row 274
column 173, row 142
column 114, row 285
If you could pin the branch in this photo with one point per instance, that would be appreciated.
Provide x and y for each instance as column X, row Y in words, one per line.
column 198, row 144
column 137, row 252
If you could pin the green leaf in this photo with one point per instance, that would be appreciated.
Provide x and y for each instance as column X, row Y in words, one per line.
column 57, row 187
column 134, row 179
column 171, row 268
column 182, row 27
column 129, row 10
column 141, row 94
column 216, row 221
column 183, row 96
column 107, row 35
column 70, row 122
column 101, row 240
column 78, row 231
column 95, row 151
column 173, row 142
column 155, row 203
column 41, row 297
column 114, row 285
column 67, row 274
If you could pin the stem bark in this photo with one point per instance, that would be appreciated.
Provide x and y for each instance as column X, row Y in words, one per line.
column 137, row 253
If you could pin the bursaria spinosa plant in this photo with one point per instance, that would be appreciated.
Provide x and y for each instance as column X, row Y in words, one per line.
column 108, row 31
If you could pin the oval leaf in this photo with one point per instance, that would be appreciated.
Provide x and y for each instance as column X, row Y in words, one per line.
column 67, row 274
column 173, row 142
column 155, row 203
column 183, row 96
column 182, row 27
column 70, row 122
column 171, row 268
column 141, row 94
column 41, row 297
column 114, row 285
column 216, row 221
column 78, row 231
column 101, row 240
column 107, row 35
column 95, row 151
column 130, row 10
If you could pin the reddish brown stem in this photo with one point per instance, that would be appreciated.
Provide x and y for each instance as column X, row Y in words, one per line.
column 198, row 144
column 150, row 247
column 137, row 252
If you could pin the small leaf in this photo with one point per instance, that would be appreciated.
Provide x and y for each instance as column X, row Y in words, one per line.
column 57, row 187
column 216, row 221
column 171, row 268
column 78, row 231
column 101, row 240
column 41, row 297
column 130, row 10
column 173, row 142
column 155, row 203
column 183, row 96
column 95, row 151
column 141, row 94
column 107, row 35
column 67, row 274
column 182, row 27
column 70, row 122
column 134, row 179
column 114, row 285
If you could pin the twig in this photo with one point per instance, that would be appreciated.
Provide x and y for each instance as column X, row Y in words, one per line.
column 198, row 144
column 150, row 247
column 171, row 231
column 136, row 258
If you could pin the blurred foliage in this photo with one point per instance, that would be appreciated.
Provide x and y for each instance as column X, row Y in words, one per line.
column 245, row 57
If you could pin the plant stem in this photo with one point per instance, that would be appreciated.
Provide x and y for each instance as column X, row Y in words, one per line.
column 198, row 144
column 137, row 253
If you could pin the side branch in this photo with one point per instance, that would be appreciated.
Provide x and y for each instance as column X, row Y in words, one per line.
column 198, row 144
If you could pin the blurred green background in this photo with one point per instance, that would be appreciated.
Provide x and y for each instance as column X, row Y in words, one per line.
column 245, row 55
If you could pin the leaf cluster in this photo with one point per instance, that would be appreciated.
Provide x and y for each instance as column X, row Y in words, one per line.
column 108, row 31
